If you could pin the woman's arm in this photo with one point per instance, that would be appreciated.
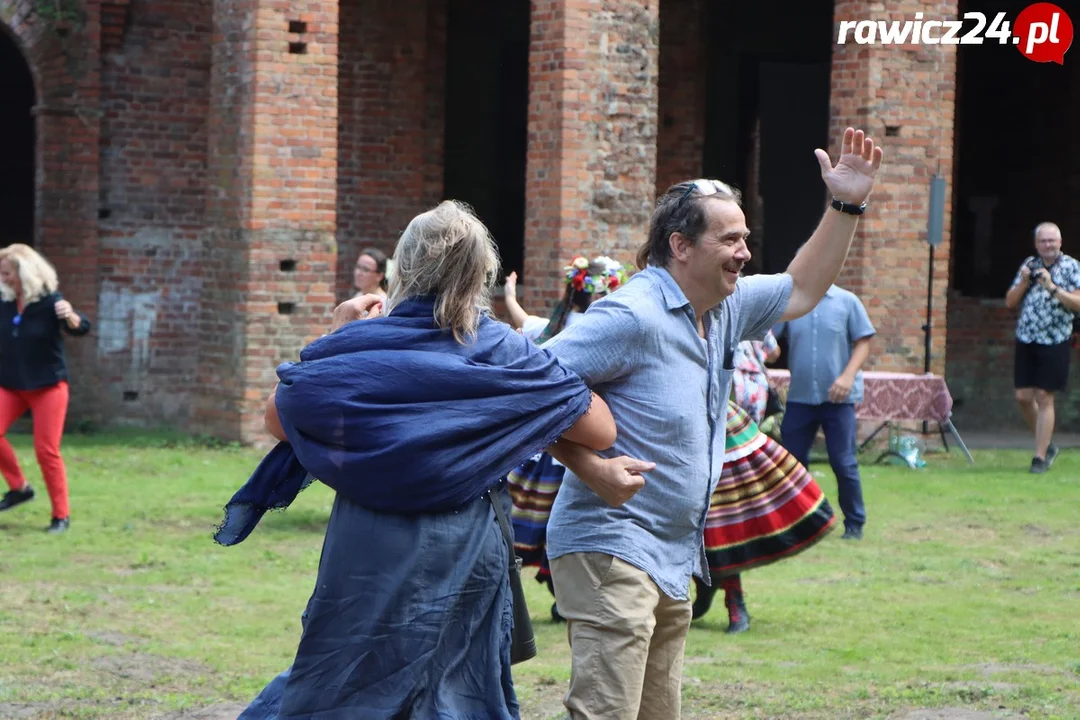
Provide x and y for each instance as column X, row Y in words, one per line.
column 518, row 316
column 270, row 417
column 596, row 428
column 73, row 323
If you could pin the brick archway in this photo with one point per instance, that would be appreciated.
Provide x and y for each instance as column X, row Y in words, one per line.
column 65, row 69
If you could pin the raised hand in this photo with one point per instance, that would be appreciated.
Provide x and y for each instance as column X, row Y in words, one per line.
column 853, row 176
column 510, row 286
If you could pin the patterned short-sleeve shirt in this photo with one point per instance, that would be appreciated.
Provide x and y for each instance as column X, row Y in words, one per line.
column 1043, row 319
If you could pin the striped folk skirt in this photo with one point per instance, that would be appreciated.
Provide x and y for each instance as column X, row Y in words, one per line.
column 533, row 486
column 766, row 506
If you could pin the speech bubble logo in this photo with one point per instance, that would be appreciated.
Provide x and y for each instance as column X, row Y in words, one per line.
column 1043, row 33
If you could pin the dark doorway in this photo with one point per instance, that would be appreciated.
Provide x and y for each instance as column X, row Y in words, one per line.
column 487, row 96
column 1016, row 154
column 767, row 108
column 17, row 156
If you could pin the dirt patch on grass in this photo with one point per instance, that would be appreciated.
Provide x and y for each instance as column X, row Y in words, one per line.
column 992, row 669
column 25, row 711
column 144, row 668
column 223, row 711
column 954, row 714
column 112, row 638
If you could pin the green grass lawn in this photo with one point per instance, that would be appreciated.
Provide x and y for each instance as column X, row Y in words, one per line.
column 965, row 593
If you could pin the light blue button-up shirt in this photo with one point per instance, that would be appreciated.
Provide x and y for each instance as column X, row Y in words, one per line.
column 667, row 387
column 819, row 346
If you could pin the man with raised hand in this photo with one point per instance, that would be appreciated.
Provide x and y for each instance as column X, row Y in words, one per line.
column 626, row 534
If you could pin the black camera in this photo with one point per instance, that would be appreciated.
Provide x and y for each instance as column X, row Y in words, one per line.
column 1036, row 271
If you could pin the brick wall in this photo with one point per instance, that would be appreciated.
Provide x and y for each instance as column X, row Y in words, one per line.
column 912, row 89
column 65, row 69
column 592, row 135
column 981, row 346
column 271, row 201
column 155, row 100
column 390, row 137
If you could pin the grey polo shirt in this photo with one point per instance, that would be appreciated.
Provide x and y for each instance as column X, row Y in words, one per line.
column 819, row 346
column 667, row 388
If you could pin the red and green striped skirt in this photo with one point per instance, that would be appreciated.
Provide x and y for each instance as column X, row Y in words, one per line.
column 766, row 506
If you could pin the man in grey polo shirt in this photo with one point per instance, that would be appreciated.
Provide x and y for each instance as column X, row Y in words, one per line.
column 826, row 351
column 626, row 530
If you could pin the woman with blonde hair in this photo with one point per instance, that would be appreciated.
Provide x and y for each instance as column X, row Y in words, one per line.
column 33, row 373
column 414, row 415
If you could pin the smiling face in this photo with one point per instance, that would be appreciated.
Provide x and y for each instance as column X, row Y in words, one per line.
column 1048, row 242
column 714, row 262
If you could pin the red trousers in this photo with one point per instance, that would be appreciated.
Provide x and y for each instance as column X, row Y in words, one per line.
column 49, row 407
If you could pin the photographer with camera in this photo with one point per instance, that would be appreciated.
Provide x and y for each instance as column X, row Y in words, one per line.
column 1046, row 289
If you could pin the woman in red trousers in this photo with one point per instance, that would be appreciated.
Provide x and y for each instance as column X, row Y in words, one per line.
column 33, row 374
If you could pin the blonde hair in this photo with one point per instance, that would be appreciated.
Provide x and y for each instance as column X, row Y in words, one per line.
column 36, row 274
column 447, row 252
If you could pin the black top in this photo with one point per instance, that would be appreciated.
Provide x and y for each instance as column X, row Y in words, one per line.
column 32, row 348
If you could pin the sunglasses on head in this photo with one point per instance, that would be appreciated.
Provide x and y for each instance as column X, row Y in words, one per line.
column 706, row 187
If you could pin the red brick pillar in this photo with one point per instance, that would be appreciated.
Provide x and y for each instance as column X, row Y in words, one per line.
column 592, row 135
column 904, row 95
column 269, row 246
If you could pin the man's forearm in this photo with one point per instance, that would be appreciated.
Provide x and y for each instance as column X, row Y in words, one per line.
column 859, row 353
column 818, row 262
column 578, row 458
column 1071, row 300
column 1016, row 294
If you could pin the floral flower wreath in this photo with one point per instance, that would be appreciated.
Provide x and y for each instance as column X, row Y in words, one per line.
column 599, row 275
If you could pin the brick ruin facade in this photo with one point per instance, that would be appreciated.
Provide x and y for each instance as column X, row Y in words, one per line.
column 207, row 170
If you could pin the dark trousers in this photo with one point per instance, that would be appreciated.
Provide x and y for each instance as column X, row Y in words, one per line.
column 801, row 424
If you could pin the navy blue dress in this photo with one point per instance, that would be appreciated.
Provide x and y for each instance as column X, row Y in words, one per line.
column 411, row 618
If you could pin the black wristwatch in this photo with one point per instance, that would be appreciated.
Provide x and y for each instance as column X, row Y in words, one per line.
column 848, row 208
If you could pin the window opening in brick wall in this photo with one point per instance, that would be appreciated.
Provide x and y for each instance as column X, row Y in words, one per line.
column 17, row 155
column 297, row 26
column 766, row 101
column 287, row 265
column 298, row 48
column 487, row 91
column 1002, row 189
column 286, row 308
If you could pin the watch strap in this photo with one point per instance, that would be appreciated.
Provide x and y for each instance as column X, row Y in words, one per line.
column 847, row 208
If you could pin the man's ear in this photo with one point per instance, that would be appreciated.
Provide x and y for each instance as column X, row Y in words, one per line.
column 680, row 246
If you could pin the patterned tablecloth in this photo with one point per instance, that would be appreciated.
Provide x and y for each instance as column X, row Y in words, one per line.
column 895, row 396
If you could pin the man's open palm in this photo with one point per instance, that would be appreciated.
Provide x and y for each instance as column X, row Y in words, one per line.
column 853, row 176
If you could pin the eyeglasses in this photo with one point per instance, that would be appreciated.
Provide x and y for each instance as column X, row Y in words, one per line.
column 706, row 187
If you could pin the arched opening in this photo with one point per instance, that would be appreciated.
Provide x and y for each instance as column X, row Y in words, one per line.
column 17, row 150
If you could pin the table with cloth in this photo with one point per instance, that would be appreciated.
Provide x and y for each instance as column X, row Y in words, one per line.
column 893, row 397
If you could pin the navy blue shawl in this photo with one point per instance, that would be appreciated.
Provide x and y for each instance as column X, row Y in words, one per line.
column 397, row 416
